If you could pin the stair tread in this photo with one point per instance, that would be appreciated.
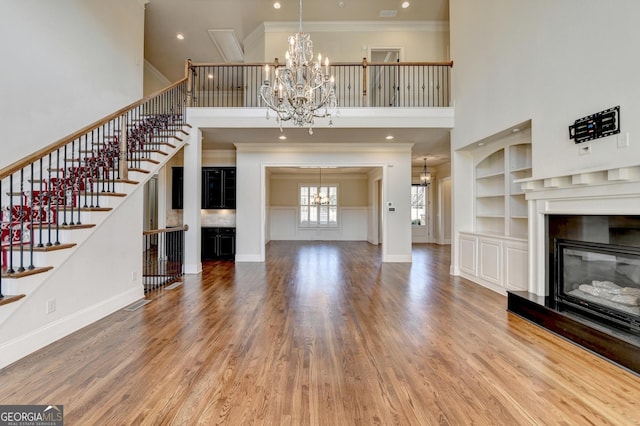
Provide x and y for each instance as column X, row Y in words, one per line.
column 43, row 248
column 10, row 299
column 26, row 272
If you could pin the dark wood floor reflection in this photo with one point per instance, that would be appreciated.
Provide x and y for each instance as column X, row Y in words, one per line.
column 323, row 334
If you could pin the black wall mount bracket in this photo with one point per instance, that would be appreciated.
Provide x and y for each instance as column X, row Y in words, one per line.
column 594, row 126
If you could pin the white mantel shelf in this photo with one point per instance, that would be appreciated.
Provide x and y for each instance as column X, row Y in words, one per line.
column 581, row 183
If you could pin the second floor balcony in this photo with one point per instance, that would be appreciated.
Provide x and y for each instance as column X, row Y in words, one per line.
column 357, row 85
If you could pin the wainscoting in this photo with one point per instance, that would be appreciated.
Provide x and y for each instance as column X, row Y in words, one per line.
column 352, row 225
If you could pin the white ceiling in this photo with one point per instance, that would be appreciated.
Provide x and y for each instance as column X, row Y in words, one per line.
column 194, row 18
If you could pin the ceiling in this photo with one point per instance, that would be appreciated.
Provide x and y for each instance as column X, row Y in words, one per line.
column 164, row 19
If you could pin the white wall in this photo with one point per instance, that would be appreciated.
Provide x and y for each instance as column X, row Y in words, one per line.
column 66, row 64
column 352, row 41
column 85, row 288
column 548, row 61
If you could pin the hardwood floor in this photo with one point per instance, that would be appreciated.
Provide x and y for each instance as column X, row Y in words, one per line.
column 324, row 334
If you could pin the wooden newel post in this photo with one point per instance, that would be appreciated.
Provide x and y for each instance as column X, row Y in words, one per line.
column 124, row 165
column 364, row 83
column 189, row 74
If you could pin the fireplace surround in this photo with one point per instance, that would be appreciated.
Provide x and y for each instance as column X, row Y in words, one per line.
column 584, row 256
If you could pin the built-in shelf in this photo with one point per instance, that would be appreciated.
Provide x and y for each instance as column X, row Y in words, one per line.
column 498, row 195
column 494, row 253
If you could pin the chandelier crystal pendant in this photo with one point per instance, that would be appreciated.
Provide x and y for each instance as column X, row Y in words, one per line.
column 302, row 90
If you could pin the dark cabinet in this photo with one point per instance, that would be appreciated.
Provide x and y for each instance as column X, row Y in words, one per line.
column 218, row 187
column 218, row 243
column 177, row 187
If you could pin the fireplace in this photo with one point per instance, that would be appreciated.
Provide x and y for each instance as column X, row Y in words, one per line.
column 595, row 267
column 584, row 261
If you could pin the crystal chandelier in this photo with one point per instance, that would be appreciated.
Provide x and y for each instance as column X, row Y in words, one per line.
column 302, row 90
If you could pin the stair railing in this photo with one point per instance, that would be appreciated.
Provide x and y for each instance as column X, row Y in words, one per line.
column 48, row 190
column 163, row 257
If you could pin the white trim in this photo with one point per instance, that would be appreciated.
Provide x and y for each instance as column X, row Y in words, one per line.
column 28, row 343
column 156, row 73
column 399, row 258
column 355, row 26
column 249, row 258
column 191, row 269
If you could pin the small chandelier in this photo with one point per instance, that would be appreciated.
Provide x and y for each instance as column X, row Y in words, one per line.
column 319, row 198
column 300, row 91
column 425, row 176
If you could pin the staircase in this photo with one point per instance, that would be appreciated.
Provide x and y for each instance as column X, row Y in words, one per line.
column 53, row 201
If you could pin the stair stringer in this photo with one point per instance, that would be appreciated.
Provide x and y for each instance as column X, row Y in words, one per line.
column 109, row 253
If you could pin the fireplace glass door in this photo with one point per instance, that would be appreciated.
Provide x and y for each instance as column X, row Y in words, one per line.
column 600, row 280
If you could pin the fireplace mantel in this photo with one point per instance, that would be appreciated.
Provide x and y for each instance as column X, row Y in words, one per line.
column 603, row 192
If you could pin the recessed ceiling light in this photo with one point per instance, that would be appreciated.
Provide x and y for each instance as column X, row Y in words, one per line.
column 180, row 36
column 515, row 130
column 210, row 76
column 480, row 143
column 340, row 4
column 282, row 137
column 406, row 4
column 390, row 137
column 277, row 5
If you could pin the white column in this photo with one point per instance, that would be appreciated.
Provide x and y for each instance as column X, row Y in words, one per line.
column 192, row 201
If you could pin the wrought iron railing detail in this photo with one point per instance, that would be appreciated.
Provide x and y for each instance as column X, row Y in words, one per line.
column 358, row 85
column 50, row 190
column 163, row 257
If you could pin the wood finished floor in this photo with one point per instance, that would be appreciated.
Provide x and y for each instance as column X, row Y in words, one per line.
column 323, row 334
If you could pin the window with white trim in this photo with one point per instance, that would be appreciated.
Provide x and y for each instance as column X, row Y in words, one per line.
column 418, row 205
column 318, row 206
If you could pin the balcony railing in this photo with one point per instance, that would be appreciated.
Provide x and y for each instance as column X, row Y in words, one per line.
column 358, row 85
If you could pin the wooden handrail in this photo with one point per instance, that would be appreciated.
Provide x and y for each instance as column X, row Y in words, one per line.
column 32, row 158
column 185, row 228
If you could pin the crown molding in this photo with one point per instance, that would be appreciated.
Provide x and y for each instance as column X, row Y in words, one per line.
column 355, row 26
column 154, row 71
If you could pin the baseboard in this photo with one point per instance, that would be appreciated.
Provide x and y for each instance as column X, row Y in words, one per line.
column 24, row 345
column 399, row 258
column 192, row 269
column 249, row 258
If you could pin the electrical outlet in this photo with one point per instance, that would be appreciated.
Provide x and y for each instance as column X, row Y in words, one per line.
column 584, row 149
column 51, row 306
column 623, row 140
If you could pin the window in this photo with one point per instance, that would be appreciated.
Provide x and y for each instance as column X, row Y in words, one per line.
column 318, row 206
column 418, row 205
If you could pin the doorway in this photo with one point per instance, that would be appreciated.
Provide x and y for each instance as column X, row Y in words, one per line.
column 384, row 80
